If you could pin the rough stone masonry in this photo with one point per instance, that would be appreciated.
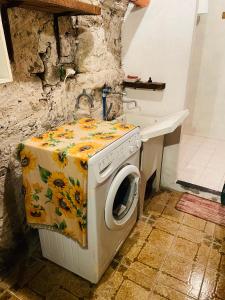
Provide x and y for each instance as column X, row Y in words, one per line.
column 38, row 100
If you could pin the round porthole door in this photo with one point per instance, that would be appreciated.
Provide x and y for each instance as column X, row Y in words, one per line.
column 122, row 198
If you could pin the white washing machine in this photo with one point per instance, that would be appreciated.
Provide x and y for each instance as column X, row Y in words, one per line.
column 113, row 180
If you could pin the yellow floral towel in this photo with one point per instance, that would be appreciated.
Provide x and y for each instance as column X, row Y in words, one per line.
column 55, row 173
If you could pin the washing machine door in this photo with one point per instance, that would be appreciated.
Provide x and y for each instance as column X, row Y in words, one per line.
column 122, row 198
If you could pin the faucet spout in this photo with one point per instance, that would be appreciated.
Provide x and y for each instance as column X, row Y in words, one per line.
column 128, row 101
column 89, row 97
column 119, row 93
column 105, row 92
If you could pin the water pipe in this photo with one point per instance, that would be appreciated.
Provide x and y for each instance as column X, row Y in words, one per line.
column 105, row 92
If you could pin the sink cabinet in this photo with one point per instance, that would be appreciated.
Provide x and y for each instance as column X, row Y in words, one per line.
column 5, row 69
column 151, row 162
column 153, row 130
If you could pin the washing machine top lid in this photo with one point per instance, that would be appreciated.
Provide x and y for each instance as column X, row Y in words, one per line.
column 55, row 173
column 83, row 138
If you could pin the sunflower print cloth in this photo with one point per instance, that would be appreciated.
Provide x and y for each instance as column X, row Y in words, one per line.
column 55, row 174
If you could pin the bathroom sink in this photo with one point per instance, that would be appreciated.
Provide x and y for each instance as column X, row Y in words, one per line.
column 154, row 126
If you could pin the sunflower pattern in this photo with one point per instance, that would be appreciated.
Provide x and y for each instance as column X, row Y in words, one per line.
column 88, row 121
column 27, row 159
column 121, row 126
column 85, row 149
column 82, row 164
column 63, row 206
column 105, row 136
column 60, row 157
column 57, row 181
column 55, row 173
column 88, row 127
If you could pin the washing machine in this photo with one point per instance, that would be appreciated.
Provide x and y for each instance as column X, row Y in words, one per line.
column 113, row 189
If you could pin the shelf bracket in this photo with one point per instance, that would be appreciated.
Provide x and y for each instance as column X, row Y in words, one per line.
column 56, row 32
column 7, row 31
column 56, row 29
column 60, row 10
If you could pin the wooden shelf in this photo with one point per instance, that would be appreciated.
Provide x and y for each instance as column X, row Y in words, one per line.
column 145, row 85
column 72, row 7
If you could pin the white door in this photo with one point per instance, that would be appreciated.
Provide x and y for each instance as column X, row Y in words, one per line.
column 122, row 198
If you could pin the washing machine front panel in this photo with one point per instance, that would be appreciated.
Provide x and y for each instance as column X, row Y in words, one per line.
column 122, row 198
column 105, row 162
column 103, row 243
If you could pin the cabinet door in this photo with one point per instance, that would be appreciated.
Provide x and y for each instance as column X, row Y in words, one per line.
column 5, row 69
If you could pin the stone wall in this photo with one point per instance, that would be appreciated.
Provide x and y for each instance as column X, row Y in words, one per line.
column 38, row 100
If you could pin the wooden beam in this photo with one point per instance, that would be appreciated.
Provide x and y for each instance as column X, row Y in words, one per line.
column 74, row 7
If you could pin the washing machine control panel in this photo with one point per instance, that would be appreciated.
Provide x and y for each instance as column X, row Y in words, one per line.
column 120, row 154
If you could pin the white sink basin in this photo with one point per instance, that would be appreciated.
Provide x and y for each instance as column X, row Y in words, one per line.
column 154, row 126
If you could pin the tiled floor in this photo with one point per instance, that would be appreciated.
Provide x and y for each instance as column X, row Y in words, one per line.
column 169, row 255
column 202, row 162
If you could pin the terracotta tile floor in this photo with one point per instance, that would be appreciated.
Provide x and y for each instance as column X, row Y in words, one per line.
column 168, row 255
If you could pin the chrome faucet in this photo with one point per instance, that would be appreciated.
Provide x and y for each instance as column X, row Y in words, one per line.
column 124, row 100
column 89, row 97
column 119, row 93
column 130, row 101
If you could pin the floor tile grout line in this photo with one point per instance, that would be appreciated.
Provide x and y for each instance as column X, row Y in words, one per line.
column 205, row 226
column 13, row 294
column 205, row 269
column 175, row 236
column 208, row 268
column 210, row 158
column 211, row 245
column 203, row 166
column 190, row 297
column 166, row 256
column 132, row 262
column 207, row 166
column 192, row 261
column 146, row 240
column 160, row 268
column 181, row 222
column 118, row 288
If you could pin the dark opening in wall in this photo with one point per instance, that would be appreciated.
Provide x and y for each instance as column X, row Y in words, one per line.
column 150, row 186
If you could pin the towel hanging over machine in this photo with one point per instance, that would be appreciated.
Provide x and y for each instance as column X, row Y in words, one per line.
column 55, row 174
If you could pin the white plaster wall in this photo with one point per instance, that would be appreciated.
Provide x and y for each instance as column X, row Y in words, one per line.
column 157, row 42
column 206, row 92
